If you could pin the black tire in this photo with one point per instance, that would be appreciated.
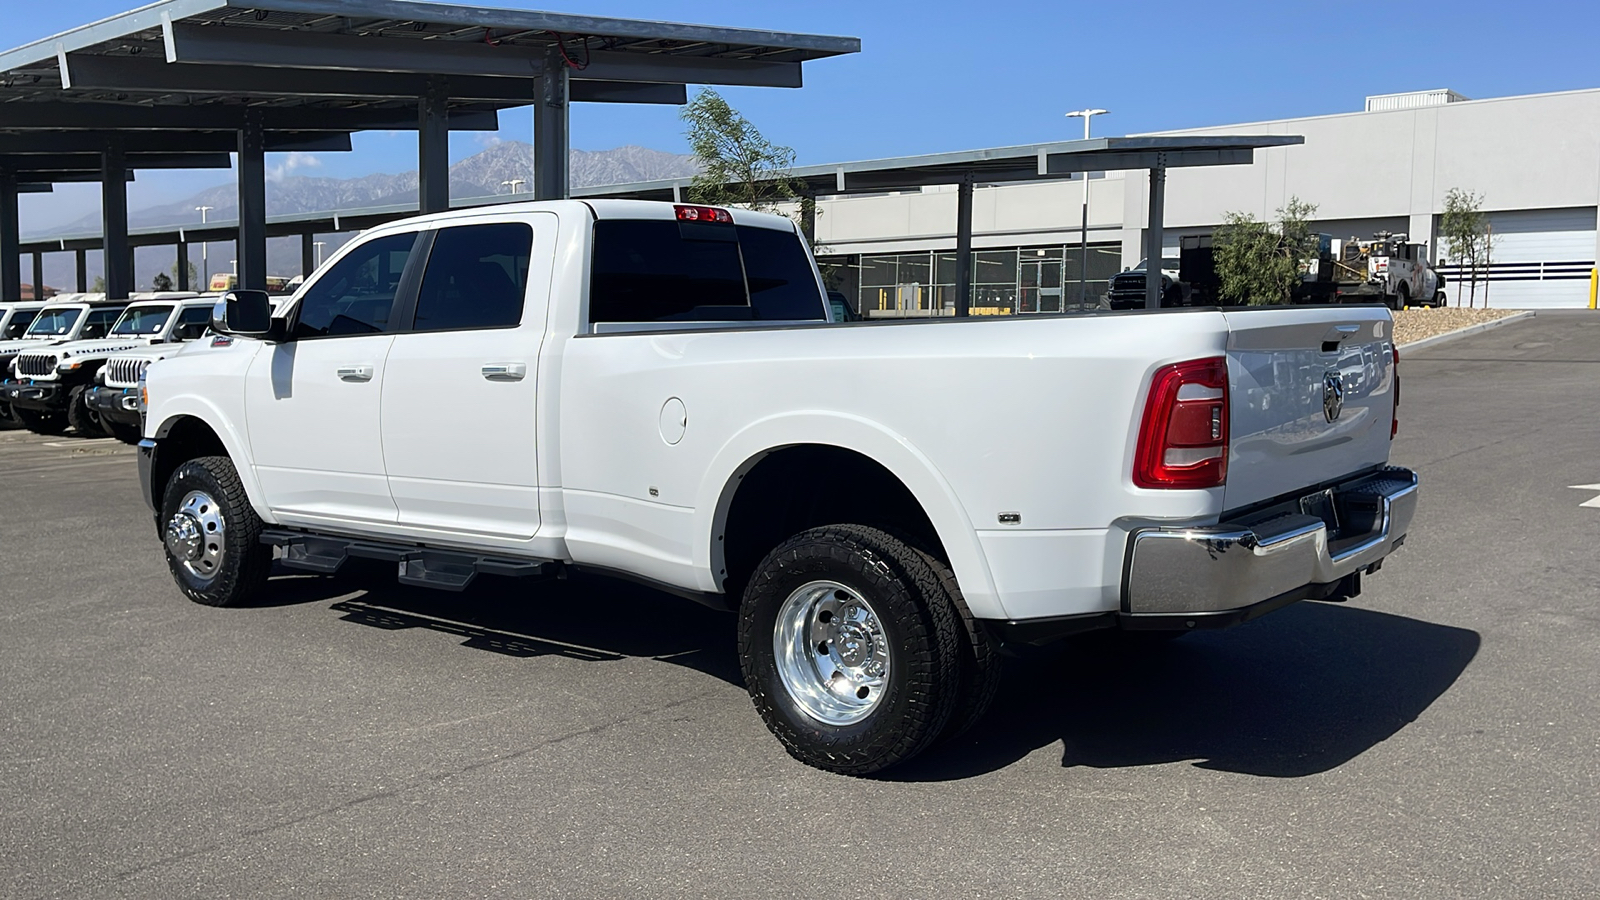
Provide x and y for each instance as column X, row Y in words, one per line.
column 242, row 562
column 1403, row 298
column 922, row 640
column 979, row 660
column 1439, row 299
column 128, row 434
column 39, row 422
column 85, row 421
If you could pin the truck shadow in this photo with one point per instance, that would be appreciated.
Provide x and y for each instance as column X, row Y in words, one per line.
column 1296, row 693
column 585, row 617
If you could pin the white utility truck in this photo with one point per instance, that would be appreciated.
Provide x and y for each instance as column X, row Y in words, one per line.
column 657, row 391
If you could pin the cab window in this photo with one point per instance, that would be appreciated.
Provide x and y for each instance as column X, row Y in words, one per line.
column 477, row 277
column 18, row 324
column 356, row 294
column 98, row 324
column 142, row 320
column 668, row 271
column 54, row 322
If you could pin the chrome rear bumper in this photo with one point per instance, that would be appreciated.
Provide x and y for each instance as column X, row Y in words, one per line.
column 1316, row 540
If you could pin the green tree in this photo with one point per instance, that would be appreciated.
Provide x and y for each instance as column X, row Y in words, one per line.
column 1465, row 230
column 1259, row 263
column 99, row 285
column 740, row 167
column 162, row 282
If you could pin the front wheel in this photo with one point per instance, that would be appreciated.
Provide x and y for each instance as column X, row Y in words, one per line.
column 39, row 422
column 85, row 421
column 849, row 649
column 212, row 535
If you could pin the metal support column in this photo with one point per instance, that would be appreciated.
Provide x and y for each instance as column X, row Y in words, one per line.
column 1153, row 238
column 10, row 239
column 433, row 148
column 964, row 247
column 81, row 264
column 308, row 254
column 551, row 143
column 118, row 255
column 182, row 267
column 252, row 248
column 38, row 275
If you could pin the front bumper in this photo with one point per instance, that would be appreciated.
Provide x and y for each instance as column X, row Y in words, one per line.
column 39, row 395
column 1312, row 546
column 120, row 405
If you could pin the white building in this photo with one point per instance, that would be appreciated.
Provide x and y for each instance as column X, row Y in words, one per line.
column 1535, row 160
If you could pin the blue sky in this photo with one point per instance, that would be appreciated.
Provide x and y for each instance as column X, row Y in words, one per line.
column 936, row 75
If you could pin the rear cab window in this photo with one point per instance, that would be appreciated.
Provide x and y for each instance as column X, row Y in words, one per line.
column 656, row 271
column 476, row 278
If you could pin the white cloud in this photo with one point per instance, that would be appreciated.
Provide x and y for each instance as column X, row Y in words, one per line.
column 291, row 161
column 487, row 138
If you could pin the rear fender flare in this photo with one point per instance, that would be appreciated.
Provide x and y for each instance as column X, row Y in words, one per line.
column 748, row 447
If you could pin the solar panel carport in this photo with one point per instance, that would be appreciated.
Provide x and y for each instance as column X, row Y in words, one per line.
column 180, row 75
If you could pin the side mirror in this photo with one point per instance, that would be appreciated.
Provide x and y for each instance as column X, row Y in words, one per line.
column 242, row 313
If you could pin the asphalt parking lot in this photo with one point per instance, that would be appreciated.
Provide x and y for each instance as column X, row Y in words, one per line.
column 1439, row 736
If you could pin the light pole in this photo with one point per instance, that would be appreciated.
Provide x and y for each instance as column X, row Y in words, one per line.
column 513, row 184
column 205, row 264
column 319, row 245
column 1083, row 269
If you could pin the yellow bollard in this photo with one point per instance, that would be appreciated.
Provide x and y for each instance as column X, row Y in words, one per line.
column 1594, row 282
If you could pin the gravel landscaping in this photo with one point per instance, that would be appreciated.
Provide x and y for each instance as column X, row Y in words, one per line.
column 1412, row 325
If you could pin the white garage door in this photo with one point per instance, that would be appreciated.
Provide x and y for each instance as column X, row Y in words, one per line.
column 1541, row 259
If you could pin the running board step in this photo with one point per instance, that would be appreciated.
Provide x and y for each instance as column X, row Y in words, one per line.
column 443, row 569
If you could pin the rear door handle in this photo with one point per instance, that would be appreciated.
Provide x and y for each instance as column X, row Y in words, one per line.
column 505, row 371
column 355, row 373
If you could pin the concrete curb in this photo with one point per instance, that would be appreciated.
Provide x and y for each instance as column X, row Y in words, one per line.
column 1463, row 332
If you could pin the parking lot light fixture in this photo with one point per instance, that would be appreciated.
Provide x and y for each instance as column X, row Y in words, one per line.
column 1083, row 269
column 205, row 264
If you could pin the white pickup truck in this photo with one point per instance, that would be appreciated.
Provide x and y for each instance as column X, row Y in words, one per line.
column 657, row 391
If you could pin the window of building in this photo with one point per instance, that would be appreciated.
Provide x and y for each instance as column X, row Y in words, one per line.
column 356, row 294
column 477, row 277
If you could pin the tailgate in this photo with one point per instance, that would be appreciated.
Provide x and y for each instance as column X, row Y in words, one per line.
column 1311, row 394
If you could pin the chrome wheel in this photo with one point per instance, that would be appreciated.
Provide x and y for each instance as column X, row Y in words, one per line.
column 195, row 535
column 832, row 652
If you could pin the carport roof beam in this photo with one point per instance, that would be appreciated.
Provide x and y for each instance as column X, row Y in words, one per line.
column 140, row 142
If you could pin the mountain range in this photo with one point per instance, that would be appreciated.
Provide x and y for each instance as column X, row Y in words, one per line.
column 484, row 174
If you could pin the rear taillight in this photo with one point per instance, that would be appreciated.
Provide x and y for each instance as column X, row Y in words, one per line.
column 1394, row 423
column 1183, row 439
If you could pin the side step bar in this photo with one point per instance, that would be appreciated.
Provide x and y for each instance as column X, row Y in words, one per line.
column 447, row 570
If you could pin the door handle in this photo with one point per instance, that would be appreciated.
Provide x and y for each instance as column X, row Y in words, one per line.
column 355, row 373
column 505, row 371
